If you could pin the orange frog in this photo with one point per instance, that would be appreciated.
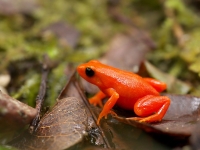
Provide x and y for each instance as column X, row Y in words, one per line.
column 127, row 90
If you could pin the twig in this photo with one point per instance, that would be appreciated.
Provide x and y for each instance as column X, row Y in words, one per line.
column 46, row 67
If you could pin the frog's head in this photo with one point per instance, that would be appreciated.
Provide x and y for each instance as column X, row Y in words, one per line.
column 89, row 71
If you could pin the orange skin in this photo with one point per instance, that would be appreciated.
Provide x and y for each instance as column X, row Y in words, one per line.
column 127, row 90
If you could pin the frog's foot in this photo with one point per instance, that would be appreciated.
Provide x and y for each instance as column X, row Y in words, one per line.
column 101, row 115
column 96, row 101
column 105, row 116
column 110, row 112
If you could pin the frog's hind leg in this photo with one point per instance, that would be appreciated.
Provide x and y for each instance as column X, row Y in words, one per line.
column 159, row 86
column 151, row 108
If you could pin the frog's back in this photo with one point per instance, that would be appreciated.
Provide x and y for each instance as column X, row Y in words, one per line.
column 128, row 85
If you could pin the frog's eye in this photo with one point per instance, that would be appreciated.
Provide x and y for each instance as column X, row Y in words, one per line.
column 89, row 72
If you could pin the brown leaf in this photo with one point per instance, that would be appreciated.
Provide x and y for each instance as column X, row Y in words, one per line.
column 13, row 115
column 61, row 128
column 95, row 133
column 179, row 120
column 64, row 126
column 14, row 112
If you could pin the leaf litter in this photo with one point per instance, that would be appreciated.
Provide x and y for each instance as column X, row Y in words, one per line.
column 64, row 126
column 179, row 121
column 14, row 116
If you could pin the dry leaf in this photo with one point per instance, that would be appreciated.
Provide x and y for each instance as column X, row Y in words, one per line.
column 14, row 115
column 14, row 112
column 179, row 121
column 61, row 128
column 65, row 125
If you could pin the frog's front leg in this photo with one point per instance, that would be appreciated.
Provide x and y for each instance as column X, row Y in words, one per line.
column 97, row 99
column 109, row 104
column 151, row 108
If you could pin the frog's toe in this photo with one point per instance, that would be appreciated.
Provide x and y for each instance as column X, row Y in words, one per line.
column 96, row 102
column 143, row 120
column 112, row 113
column 147, row 119
column 136, row 119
